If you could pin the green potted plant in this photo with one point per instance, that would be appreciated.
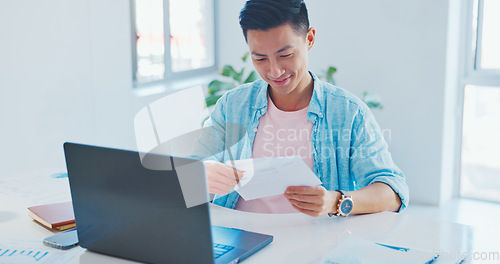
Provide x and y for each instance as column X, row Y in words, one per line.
column 328, row 75
column 217, row 88
column 372, row 100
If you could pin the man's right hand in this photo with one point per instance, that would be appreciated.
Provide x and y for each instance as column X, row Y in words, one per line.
column 221, row 177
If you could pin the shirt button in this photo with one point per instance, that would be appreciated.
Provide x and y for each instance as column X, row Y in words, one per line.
column 320, row 115
column 255, row 130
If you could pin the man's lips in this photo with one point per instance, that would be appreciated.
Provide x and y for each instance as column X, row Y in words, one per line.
column 281, row 81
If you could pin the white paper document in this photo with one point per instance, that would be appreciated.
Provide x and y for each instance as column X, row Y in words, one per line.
column 355, row 250
column 271, row 176
column 24, row 252
column 37, row 187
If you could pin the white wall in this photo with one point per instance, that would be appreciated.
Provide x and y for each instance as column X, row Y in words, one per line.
column 396, row 49
column 64, row 76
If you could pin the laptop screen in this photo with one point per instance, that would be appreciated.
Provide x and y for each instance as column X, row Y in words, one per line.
column 125, row 210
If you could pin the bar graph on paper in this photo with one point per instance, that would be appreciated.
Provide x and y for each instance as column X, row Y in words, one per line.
column 19, row 255
column 28, row 251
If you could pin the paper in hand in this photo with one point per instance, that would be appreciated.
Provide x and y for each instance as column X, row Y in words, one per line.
column 271, row 176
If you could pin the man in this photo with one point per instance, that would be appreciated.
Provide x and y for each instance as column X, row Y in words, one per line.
column 291, row 112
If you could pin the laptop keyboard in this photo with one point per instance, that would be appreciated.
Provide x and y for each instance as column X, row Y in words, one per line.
column 220, row 249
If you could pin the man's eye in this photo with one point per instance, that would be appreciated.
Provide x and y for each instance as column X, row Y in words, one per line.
column 263, row 59
column 287, row 55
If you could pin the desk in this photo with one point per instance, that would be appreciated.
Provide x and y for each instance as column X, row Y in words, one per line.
column 298, row 238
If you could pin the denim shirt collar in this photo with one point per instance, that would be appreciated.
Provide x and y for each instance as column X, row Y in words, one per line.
column 315, row 105
column 317, row 100
column 261, row 101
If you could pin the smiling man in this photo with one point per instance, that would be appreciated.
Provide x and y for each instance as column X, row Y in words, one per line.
column 290, row 112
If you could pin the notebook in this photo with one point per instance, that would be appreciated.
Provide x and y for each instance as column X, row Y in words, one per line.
column 125, row 210
column 57, row 215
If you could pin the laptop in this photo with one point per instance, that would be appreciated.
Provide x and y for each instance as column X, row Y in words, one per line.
column 126, row 210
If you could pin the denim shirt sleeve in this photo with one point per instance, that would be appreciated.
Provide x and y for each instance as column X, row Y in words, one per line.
column 370, row 160
column 225, row 137
column 210, row 142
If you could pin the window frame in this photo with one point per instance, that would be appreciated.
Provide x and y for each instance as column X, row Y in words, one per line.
column 473, row 74
column 470, row 72
column 170, row 76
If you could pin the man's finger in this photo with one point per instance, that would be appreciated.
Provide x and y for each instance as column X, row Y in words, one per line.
column 223, row 183
column 221, row 167
column 305, row 211
column 224, row 187
column 215, row 190
column 314, row 199
column 229, row 168
column 306, row 206
column 305, row 190
column 229, row 171
column 229, row 179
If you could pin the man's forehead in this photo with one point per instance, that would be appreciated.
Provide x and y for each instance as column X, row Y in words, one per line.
column 272, row 41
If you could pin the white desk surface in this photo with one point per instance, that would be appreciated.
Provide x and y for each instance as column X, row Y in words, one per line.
column 298, row 238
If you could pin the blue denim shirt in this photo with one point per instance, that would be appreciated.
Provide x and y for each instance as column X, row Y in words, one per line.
column 348, row 148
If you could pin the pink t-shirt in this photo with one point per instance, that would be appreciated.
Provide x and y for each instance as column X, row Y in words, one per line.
column 280, row 134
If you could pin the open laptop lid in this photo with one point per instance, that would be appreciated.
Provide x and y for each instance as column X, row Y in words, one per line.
column 123, row 209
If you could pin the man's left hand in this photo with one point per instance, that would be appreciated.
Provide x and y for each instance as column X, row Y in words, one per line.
column 312, row 200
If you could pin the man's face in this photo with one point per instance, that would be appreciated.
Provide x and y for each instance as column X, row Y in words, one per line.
column 280, row 56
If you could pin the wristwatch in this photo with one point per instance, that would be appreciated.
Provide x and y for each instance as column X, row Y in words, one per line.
column 345, row 204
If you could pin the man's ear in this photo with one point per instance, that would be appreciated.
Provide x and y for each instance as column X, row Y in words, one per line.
column 310, row 37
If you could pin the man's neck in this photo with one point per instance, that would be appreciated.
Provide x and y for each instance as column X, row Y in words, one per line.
column 298, row 99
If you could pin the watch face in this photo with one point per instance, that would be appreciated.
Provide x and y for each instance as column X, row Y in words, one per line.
column 346, row 207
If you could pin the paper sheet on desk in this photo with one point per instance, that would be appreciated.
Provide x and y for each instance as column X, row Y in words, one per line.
column 271, row 176
column 354, row 250
column 37, row 187
column 27, row 251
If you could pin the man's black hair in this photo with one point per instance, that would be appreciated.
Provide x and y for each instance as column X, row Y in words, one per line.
column 267, row 14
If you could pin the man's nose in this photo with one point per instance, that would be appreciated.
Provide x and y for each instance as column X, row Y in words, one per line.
column 276, row 70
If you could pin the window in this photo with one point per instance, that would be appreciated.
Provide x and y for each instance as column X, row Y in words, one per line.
column 488, row 35
column 480, row 155
column 172, row 39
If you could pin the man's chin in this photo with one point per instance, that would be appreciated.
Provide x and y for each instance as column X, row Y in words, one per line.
column 281, row 90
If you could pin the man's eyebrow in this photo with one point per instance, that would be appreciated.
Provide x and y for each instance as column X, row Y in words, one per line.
column 258, row 54
column 283, row 49
column 279, row 51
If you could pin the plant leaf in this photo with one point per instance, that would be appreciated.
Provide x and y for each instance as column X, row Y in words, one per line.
column 245, row 57
column 229, row 71
column 216, row 86
column 329, row 74
column 252, row 77
column 240, row 76
column 375, row 105
column 211, row 100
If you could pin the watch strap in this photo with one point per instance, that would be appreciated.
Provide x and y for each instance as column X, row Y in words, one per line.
column 342, row 195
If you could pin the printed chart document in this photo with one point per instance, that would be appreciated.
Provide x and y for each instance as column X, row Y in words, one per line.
column 271, row 176
column 359, row 250
column 24, row 252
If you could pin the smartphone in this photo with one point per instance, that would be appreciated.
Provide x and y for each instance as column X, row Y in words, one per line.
column 63, row 240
